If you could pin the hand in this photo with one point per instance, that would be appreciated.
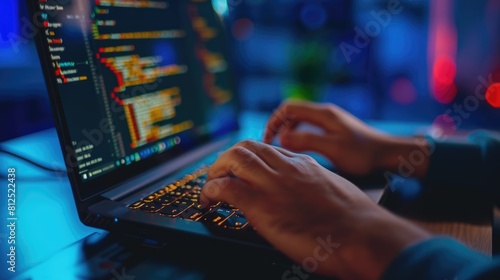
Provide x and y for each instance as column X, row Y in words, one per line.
column 352, row 146
column 297, row 205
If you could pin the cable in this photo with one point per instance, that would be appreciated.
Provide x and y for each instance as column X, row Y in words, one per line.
column 41, row 166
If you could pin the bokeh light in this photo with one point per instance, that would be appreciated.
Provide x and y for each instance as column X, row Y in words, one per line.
column 493, row 95
column 398, row 44
column 444, row 73
column 313, row 15
column 403, row 91
column 444, row 70
column 243, row 29
column 445, row 94
column 443, row 125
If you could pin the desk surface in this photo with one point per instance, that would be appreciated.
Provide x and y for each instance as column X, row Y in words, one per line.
column 48, row 224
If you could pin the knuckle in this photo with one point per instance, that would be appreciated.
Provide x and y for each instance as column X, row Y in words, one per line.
column 266, row 149
column 307, row 158
column 249, row 144
column 238, row 152
column 329, row 109
column 283, row 113
column 234, row 168
column 301, row 162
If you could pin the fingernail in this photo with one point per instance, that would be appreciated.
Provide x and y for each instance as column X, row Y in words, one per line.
column 203, row 202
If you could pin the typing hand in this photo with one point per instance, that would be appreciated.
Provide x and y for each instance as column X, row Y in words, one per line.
column 351, row 145
column 309, row 213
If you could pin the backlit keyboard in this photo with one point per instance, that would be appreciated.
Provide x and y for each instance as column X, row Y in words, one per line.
column 181, row 200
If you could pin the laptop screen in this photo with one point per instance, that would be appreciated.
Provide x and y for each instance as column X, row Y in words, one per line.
column 135, row 83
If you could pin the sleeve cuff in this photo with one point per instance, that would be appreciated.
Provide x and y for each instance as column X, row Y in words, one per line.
column 454, row 164
column 437, row 258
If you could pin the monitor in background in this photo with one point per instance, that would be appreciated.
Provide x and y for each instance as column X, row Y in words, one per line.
column 138, row 82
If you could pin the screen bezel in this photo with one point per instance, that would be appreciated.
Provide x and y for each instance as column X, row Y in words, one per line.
column 84, row 190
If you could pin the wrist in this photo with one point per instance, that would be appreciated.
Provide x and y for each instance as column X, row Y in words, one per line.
column 406, row 156
column 382, row 237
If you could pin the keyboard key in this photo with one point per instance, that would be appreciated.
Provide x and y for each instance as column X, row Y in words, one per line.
column 218, row 216
column 149, row 198
column 198, row 206
column 152, row 206
column 199, row 182
column 228, row 206
column 166, row 199
column 239, row 213
column 170, row 188
column 136, row 204
column 174, row 209
column 170, row 210
column 235, row 222
column 193, row 213
column 177, row 193
column 193, row 197
column 183, row 201
column 160, row 193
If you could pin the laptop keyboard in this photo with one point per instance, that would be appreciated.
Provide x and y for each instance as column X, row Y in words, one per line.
column 181, row 200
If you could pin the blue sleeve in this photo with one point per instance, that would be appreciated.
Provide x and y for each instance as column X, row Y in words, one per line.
column 442, row 258
column 473, row 164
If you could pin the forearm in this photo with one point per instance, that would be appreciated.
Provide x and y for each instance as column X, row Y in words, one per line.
column 388, row 247
column 379, row 239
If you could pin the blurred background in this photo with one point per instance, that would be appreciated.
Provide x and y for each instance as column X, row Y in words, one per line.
column 420, row 61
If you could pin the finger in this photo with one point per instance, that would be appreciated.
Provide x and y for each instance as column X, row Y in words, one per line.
column 306, row 141
column 230, row 190
column 269, row 154
column 278, row 119
column 292, row 113
column 242, row 163
column 285, row 152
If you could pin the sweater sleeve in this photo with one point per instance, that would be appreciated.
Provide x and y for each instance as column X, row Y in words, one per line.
column 472, row 164
column 442, row 258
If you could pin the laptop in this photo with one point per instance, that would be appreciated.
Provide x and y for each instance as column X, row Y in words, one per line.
column 143, row 102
